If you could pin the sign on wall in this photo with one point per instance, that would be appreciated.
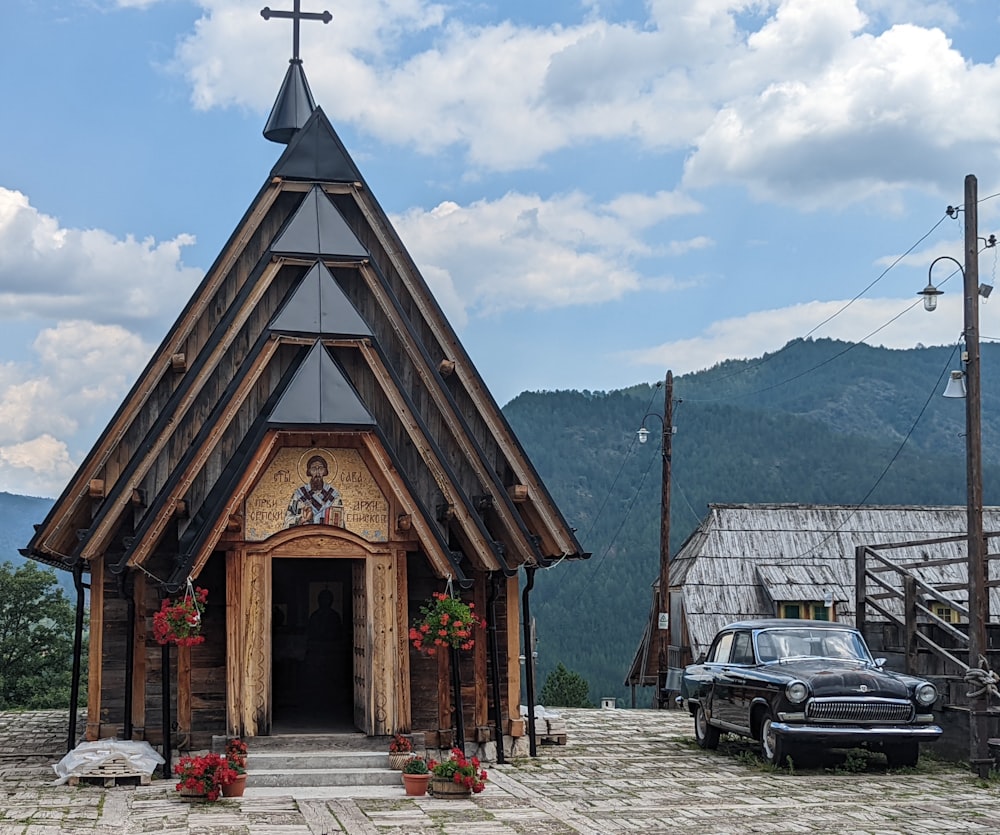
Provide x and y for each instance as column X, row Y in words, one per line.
column 330, row 487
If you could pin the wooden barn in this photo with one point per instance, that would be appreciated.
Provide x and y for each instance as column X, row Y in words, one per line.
column 312, row 445
column 790, row 560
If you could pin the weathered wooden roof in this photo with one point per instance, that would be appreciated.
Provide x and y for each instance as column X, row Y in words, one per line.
column 743, row 554
column 313, row 319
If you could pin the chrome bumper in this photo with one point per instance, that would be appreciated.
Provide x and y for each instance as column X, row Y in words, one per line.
column 921, row 733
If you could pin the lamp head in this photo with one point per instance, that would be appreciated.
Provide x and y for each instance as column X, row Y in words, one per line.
column 930, row 294
column 956, row 385
column 643, row 434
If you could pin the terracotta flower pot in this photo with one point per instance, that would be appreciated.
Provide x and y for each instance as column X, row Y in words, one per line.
column 415, row 784
column 235, row 788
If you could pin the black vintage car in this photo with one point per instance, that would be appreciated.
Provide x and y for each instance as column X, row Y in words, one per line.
column 789, row 683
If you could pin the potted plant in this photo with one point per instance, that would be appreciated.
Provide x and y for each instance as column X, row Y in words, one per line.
column 236, row 757
column 457, row 775
column 179, row 621
column 416, row 775
column 203, row 775
column 445, row 622
column 400, row 750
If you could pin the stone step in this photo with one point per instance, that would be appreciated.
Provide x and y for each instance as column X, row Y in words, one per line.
column 301, row 777
column 319, row 761
column 295, row 760
column 317, row 742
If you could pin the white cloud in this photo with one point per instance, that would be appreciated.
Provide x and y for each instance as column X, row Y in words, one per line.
column 808, row 102
column 51, row 272
column 765, row 331
column 522, row 251
column 77, row 374
column 39, row 467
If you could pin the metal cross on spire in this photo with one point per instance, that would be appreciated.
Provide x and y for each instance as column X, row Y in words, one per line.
column 296, row 15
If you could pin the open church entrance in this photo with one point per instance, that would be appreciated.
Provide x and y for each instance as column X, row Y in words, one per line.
column 312, row 646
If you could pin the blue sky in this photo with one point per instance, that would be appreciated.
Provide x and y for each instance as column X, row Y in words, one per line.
column 596, row 191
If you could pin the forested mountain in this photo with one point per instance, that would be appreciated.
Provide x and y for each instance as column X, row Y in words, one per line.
column 817, row 422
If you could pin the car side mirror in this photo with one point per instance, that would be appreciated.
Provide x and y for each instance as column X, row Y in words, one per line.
column 880, row 663
column 700, row 659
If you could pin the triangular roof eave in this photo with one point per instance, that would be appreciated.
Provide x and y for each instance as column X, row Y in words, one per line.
column 76, row 491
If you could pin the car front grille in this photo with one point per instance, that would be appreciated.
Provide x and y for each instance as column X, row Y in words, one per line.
column 840, row 711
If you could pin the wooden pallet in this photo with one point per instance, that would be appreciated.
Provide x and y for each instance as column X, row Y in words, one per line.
column 110, row 772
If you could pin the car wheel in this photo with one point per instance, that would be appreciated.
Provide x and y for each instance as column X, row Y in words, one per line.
column 902, row 754
column 707, row 736
column 773, row 748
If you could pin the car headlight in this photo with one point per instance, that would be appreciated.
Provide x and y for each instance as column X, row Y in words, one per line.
column 926, row 693
column 796, row 692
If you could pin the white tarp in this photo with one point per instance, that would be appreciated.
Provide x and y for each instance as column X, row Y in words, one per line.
column 87, row 757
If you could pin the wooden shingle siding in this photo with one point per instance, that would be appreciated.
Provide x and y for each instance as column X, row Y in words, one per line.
column 717, row 568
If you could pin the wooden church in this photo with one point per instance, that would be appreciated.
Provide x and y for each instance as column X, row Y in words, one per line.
column 312, row 446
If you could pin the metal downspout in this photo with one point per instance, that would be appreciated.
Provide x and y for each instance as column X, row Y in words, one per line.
column 494, row 652
column 74, row 692
column 127, row 590
column 529, row 671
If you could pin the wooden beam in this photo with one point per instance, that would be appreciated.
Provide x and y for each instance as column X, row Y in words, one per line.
column 471, row 452
column 429, row 542
column 481, row 706
column 404, row 715
column 95, row 657
column 518, row 493
column 183, row 718
column 98, row 538
column 156, row 528
column 470, row 526
column 490, row 414
column 139, row 591
column 234, row 642
column 95, row 489
column 513, row 650
column 113, row 435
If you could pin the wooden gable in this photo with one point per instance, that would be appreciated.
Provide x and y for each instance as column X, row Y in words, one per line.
column 313, row 319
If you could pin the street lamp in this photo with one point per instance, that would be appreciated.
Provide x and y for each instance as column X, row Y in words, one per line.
column 663, row 620
column 979, row 613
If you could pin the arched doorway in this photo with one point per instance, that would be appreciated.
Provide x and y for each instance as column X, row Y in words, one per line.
column 312, row 645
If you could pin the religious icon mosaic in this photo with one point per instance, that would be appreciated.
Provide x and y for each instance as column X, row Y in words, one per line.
column 331, row 487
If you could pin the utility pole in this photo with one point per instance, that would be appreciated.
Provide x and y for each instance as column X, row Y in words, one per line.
column 663, row 621
column 979, row 757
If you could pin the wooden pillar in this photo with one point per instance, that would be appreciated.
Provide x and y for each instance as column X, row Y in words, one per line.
column 95, row 662
column 139, row 657
column 513, row 658
column 481, row 703
column 234, row 643
column 383, row 666
column 255, row 624
column 183, row 717
column 403, row 719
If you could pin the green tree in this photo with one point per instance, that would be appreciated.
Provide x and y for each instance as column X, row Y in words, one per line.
column 564, row 688
column 36, row 639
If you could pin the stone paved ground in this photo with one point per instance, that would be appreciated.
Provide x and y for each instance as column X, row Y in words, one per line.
column 621, row 771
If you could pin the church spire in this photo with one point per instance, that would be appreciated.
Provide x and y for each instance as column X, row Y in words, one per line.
column 294, row 104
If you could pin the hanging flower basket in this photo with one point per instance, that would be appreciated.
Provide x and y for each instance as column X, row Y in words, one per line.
column 445, row 622
column 179, row 621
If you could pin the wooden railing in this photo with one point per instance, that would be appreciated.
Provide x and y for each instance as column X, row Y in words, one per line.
column 898, row 582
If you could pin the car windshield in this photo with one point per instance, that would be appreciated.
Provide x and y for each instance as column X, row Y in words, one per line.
column 781, row 644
